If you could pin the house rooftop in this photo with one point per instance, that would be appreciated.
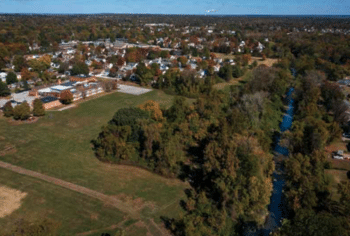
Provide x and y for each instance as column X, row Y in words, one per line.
column 48, row 99
column 60, row 87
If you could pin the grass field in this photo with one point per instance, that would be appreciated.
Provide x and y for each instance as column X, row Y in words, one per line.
column 225, row 85
column 59, row 145
column 267, row 61
column 339, row 167
column 337, row 176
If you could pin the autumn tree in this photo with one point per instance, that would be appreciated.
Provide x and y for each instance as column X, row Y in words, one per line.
column 66, row 97
column 154, row 109
column 26, row 74
column 113, row 71
column 183, row 60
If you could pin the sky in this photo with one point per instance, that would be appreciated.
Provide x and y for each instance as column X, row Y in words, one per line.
column 196, row 7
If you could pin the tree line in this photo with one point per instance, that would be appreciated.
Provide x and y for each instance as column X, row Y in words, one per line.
column 220, row 145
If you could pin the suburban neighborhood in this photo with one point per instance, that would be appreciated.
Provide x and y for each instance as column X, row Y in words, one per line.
column 184, row 125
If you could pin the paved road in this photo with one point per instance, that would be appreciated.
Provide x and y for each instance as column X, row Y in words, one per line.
column 122, row 206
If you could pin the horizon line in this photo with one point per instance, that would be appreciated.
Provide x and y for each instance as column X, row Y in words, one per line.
column 173, row 14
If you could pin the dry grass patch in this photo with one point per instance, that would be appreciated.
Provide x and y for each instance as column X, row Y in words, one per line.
column 267, row 61
column 47, row 124
column 7, row 149
column 94, row 216
column 127, row 173
column 231, row 82
column 337, row 177
column 335, row 146
column 10, row 200
column 138, row 203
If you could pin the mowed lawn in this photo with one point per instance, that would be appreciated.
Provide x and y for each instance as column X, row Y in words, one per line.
column 74, row 212
column 59, row 145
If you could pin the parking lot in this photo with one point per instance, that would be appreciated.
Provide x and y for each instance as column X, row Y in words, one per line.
column 132, row 89
column 19, row 98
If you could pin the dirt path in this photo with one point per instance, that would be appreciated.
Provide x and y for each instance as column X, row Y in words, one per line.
column 119, row 225
column 108, row 200
column 112, row 201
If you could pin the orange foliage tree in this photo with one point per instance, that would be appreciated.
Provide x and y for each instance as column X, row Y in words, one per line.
column 26, row 74
column 154, row 109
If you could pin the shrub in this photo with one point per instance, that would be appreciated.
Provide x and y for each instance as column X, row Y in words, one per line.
column 4, row 90
column 328, row 165
column 21, row 112
column 38, row 108
column 8, row 109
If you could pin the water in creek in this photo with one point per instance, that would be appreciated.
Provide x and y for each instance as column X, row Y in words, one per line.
column 277, row 210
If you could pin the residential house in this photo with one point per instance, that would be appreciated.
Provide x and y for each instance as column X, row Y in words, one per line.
column 3, row 76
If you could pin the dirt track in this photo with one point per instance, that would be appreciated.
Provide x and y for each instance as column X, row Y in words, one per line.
column 122, row 206
column 108, row 200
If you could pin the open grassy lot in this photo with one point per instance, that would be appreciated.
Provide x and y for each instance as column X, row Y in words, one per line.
column 337, row 177
column 267, row 61
column 75, row 212
column 59, row 145
column 339, row 167
column 225, row 85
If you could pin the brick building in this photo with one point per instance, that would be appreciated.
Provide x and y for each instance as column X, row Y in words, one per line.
column 50, row 102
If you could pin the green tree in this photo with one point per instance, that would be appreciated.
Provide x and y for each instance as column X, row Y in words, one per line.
column 8, row 109
column 4, row 90
column 38, row 108
column 19, row 62
column 64, row 66
column 144, row 73
column 11, row 78
column 225, row 72
column 80, row 68
column 129, row 117
column 237, row 71
column 21, row 111
column 164, row 54
column 183, row 60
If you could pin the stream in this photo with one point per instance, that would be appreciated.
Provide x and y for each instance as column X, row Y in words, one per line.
column 277, row 205
column 277, row 210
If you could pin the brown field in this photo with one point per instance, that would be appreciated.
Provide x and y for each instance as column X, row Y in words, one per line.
column 268, row 61
column 234, row 81
column 337, row 177
column 339, row 169
column 10, row 200
column 335, row 146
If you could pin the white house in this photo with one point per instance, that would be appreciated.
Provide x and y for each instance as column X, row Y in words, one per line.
column 3, row 76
